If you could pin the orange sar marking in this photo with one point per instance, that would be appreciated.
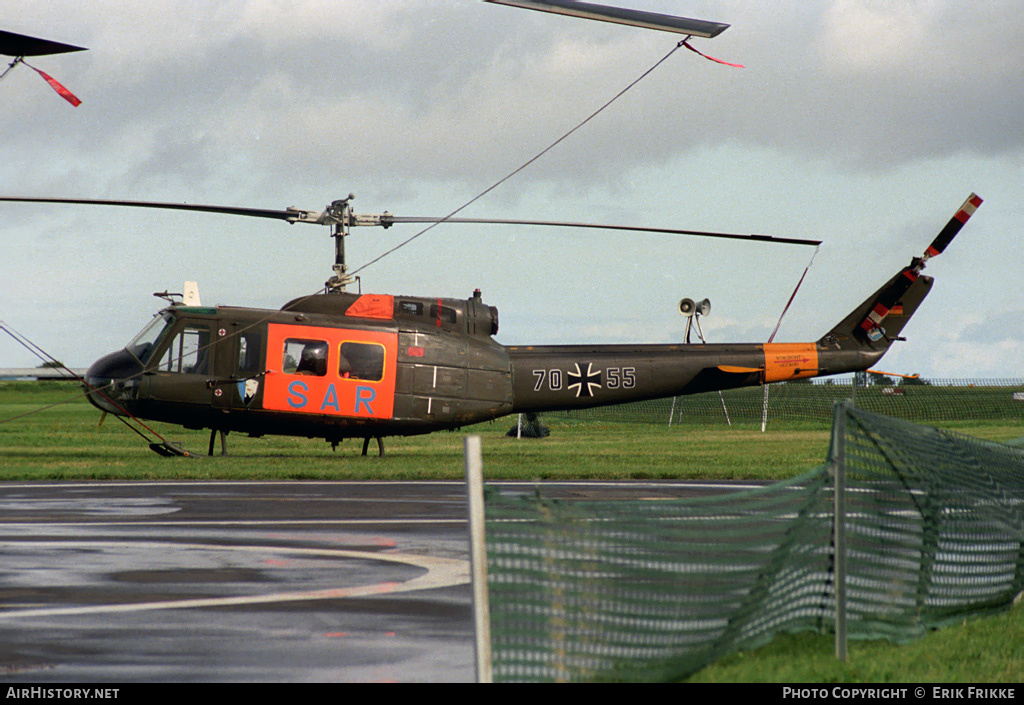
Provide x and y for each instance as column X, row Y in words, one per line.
column 334, row 387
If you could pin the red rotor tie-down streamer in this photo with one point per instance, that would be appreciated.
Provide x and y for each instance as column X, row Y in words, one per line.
column 61, row 90
column 684, row 43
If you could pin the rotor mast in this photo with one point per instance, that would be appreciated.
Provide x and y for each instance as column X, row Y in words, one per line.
column 340, row 216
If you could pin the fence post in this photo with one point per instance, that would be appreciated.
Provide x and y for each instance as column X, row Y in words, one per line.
column 724, row 409
column 478, row 558
column 839, row 522
column 764, row 410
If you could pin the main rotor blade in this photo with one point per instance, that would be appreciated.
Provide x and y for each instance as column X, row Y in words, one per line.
column 634, row 228
column 228, row 210
column 293, row 215
column 12, row 44
column 621, row 15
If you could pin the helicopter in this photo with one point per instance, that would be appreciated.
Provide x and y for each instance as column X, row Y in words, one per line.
column 338, row 364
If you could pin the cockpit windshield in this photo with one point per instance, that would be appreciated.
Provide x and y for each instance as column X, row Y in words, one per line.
column 144, row 343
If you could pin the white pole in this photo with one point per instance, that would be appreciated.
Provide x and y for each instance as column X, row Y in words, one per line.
column 478, row 558
column 764, row 410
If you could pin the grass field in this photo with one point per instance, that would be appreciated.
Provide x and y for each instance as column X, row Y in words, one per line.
column 48, row 432
column 65, row 441
column 977, row 651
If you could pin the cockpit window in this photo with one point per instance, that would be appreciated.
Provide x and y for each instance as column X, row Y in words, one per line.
column 143, row 345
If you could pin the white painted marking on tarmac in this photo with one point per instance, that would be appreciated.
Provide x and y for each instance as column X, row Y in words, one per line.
column 441, row 572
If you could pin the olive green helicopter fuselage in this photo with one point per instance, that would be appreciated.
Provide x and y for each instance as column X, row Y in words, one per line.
column 340, row 365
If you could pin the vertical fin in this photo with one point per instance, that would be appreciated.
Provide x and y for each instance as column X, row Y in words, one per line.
column 871, row 325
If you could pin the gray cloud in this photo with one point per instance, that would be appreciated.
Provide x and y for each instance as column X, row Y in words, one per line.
column 460, row 91
column 418, row 105
column 998, row 327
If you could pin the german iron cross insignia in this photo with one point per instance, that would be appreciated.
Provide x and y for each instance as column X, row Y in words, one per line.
column 584, row 382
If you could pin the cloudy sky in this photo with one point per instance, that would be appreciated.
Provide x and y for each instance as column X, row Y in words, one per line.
column 858, row 122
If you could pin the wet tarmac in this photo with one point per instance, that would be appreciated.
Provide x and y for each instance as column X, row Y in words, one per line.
column 144, row 582
column 234, row 582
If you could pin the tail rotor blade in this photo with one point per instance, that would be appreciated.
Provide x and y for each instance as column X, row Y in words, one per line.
column 953, row 226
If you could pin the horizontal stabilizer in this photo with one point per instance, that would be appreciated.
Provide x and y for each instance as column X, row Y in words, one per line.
column 737, row 370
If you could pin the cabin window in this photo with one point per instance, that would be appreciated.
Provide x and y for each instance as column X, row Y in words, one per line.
column 445, row 314
column 248, row 354
column 304, row 357
column 361, row 361
column 189, row 352
column 410, row 308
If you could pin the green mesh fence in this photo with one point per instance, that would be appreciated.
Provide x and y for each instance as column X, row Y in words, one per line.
column 655, row 590
column 926, row 401
column 935, row 525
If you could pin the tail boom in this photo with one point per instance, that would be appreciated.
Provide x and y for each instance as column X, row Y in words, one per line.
column 549, row 378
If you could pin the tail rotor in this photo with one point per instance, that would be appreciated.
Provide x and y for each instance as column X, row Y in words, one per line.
column 871, row 326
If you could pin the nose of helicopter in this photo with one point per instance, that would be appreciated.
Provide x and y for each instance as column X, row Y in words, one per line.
column 112, row 382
